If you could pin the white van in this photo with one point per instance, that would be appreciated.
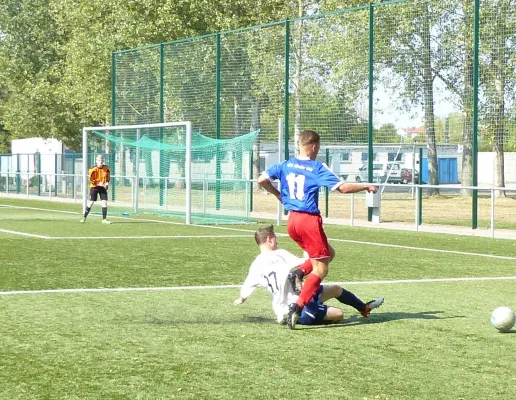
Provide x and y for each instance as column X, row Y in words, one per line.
column 382, row 172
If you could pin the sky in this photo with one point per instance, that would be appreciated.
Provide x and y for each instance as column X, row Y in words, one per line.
column 389, row 108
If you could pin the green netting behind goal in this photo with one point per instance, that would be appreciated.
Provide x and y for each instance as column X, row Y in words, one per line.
column 149, row 166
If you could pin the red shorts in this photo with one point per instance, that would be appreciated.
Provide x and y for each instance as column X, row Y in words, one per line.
column 307, row 231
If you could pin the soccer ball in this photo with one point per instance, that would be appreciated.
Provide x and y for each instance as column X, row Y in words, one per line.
column 503, row 319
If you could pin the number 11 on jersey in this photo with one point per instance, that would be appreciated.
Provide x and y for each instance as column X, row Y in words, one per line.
column 296, row 186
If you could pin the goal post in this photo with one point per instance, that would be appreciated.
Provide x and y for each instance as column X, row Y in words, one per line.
column 168, row 168
column 138, row 128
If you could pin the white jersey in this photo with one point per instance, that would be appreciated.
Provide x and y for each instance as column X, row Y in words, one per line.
column 270, row 270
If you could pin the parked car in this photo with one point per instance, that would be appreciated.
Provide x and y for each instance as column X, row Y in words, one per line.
column 382, row 172
column 406, row 176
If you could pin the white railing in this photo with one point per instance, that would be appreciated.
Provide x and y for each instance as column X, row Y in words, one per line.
column 133, row 194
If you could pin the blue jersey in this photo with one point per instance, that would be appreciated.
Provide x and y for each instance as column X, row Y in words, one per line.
column 300, row 182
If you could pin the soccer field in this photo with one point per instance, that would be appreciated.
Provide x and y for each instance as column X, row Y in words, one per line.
column 142, row 309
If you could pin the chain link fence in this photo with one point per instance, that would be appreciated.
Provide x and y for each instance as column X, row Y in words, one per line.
column 428, row 85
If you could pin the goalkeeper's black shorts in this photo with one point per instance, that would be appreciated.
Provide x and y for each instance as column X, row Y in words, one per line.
column 97, row 191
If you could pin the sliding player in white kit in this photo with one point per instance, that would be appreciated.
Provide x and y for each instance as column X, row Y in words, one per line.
column 271, row 270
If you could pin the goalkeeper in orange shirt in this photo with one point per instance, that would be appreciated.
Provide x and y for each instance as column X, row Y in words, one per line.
column 99, row 177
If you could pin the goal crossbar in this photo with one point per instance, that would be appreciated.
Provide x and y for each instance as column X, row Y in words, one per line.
column 188, row 155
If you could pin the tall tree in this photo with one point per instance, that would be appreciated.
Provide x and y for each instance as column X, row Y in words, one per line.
column 33, row 43
column 428, row 90
column 406, row 35
column 5, row 139
column 466, row 95
column 498, row 75
column 59, row 52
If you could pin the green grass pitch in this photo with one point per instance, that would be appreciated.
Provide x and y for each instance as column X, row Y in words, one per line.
column 164, row 326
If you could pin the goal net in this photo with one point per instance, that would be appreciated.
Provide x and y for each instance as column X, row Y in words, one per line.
column 169, row 169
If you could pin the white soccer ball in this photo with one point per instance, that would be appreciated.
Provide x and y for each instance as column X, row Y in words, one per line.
column 503, row 319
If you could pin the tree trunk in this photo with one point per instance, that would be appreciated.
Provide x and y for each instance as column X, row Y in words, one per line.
column 239, row 131
column 499, row 160
column 499, row 123
column 148, row 166
column 428, row 89
column 123, row 163
column 237, row 100
column 255, row 125
column 181, row 170
column 498, row 59
column 297, row 78
column 467, row 103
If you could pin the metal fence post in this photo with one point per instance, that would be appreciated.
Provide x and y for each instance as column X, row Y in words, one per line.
column 474, row 155
column 370, row 127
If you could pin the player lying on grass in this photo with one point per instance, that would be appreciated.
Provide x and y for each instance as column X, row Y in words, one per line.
column 271, row 269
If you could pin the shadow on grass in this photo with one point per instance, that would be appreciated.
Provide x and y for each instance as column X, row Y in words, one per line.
column 126, row 222
column 513, row 331
column 380, row 318
column 246, row 319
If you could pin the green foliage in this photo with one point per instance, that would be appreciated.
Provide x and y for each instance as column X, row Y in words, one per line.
column 56, row 54
column 55, row 66
column 5, row 143
column 387, row 133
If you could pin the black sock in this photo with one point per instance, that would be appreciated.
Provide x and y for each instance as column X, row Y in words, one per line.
column 351, row 300
column 88, row 209
column 104, row 212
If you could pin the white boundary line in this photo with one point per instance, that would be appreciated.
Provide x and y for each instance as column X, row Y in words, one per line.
column 396, row 246
column 171, row 288
column 24, row 234
column 37, row 209
column 122, row 237
column 149, row 237
column 157, row 221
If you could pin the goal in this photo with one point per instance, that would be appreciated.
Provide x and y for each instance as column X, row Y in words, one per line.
column 169, row 169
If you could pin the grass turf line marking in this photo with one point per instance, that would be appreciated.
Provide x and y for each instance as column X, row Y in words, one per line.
column 37, row 209
column 150, row 237
column 170, row 288
column 24, row 234
column 396, row 246
column 158, row 221
column 431, row 280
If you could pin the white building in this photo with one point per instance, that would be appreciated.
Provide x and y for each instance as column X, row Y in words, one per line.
column 24, row 155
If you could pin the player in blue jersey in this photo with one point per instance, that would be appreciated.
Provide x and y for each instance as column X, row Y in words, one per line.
column 300, row 178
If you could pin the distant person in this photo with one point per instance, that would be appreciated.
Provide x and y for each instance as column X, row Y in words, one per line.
column 301, row 177
column 99, row 177
column 270, row 270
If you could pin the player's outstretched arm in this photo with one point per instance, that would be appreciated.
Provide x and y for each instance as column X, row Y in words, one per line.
column 238, row 301
column 356, row 187
column 252, row 281
column 264, row 181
